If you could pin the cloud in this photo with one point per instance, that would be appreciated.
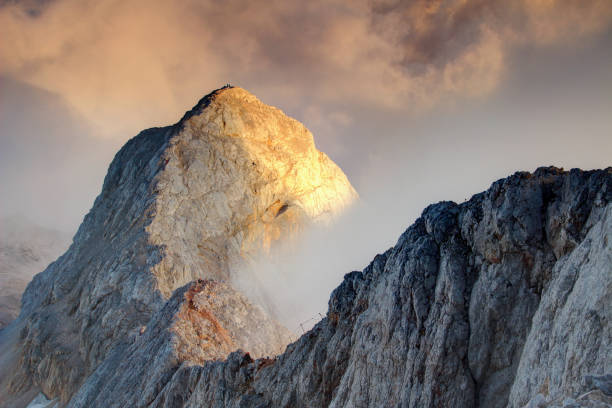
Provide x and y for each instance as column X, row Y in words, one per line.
column 418, row 101
column 122, row 66
column 126, row 65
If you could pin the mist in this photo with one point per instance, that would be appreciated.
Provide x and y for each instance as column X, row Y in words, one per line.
column 535, row 119
column 51, row 164
column 417, row 102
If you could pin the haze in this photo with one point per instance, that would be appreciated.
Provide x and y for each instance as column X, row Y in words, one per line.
column 417, row 101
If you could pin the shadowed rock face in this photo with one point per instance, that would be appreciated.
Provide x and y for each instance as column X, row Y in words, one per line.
column 501, row 301
column 193, row 200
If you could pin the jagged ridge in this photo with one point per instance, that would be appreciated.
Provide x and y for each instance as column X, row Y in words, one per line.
column 483, row 304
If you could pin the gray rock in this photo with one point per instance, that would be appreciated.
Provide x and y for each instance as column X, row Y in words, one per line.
column 602, row 382
column 203, row 321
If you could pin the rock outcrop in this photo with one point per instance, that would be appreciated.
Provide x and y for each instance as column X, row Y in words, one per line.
column 203, row 321
column 25, row 250
column 191, row 201
column 502, row 301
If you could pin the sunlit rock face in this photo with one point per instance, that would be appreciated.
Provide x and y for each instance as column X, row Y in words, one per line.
column 237, row 177
column 190, row 201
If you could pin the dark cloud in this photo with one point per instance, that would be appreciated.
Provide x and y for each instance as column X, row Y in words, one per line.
column 32, row 8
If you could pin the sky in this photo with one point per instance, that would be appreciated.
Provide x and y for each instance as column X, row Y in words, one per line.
column 418, row 101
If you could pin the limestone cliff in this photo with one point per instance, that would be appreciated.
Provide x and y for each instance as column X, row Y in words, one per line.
column 502, row 301
column 185, row 202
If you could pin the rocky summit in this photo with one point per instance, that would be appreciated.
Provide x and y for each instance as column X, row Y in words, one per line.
column 501, row 301
column 187, row 202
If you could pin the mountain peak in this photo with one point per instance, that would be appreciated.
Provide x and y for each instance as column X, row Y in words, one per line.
column 196, row 200
column 228, row 90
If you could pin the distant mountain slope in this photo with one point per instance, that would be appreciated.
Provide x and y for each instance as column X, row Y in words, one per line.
column 25, row 250
column 502, row 301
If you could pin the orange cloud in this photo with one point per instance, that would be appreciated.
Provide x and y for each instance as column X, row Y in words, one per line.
column 129, row 64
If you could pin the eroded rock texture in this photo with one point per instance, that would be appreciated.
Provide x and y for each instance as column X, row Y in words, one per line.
column 189, row 201
column 502, row 301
